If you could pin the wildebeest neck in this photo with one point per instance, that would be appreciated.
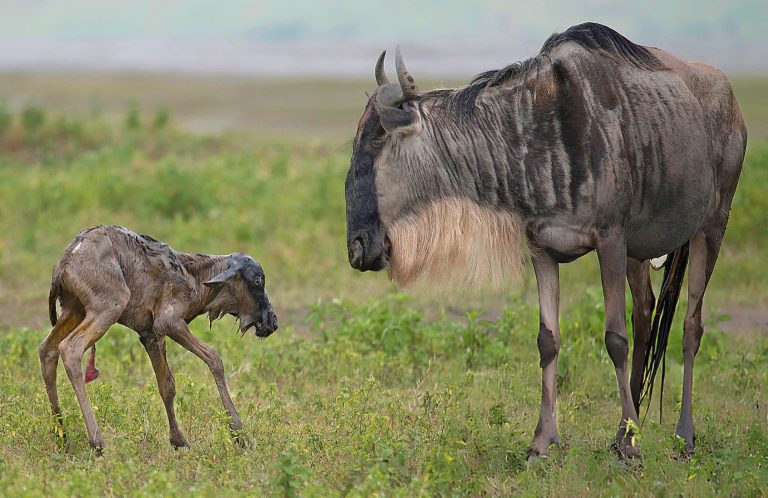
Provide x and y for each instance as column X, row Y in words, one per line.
column 203, row 267
column 479, row 157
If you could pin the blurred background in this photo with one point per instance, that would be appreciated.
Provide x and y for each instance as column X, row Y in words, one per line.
column 222, row 126
column 100, row 55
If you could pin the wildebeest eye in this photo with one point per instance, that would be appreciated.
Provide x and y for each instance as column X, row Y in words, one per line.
column 376, row 143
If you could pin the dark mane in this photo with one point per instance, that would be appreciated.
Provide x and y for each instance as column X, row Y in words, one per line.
column 591, row 36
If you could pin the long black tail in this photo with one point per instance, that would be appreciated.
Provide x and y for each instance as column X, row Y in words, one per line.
column 655, row 355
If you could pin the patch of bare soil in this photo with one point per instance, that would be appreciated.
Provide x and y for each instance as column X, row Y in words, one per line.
column 743, row 320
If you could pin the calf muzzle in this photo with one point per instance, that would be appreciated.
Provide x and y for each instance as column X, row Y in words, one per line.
column 267, row 325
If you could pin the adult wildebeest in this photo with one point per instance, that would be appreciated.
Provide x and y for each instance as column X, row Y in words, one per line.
column 596, row 143
column 111, row 275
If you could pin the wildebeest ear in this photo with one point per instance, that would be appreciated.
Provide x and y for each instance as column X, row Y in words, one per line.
column 221, row 278
column 405, row 119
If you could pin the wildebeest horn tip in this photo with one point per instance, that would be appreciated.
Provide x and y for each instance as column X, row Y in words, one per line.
column 381, row 75
column 407, row 83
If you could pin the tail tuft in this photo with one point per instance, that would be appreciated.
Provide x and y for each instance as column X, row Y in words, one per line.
column 655, row 355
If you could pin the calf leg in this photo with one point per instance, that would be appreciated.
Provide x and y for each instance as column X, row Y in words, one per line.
column 72, row 349
column 183, row 336
column 166, row 385
column 49, row 355
column 643, row 301
column 548, row 281
column 612, row 253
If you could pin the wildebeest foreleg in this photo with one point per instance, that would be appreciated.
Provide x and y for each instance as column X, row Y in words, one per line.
column 643, row 301
column 548, row 281
column 612, row 253
column 166, row 385
column 181, row 334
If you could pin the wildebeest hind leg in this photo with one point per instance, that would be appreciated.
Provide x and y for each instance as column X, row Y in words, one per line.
column 643, row 301
column 72, row 349
column 548, row 281
column 704, row 249
column 49, row 354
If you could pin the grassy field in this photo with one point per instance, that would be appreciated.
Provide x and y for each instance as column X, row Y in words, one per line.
column 363, row 391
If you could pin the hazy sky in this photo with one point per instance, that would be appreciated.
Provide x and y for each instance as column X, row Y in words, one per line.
column 729, row 33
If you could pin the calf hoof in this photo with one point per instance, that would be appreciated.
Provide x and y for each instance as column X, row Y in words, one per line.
column 97, row 445
column 179, row 441
column 536, row 461
column 240, row 438
column 57, row 428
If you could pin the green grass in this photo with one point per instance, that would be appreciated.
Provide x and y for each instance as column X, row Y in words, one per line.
column 381, row 401
column 362, row 391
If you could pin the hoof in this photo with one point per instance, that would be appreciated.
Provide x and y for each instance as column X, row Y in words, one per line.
column 685, row 455
column 535, row 461
column 626, row 448
column 57, row 428
column 540, row 448
column 626, row 443
column 239, row 438
column 97, row 446
column 179, row 442
column 685, row 448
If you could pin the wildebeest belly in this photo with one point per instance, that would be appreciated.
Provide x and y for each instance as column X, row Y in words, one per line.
column 666, row 217
column 564, row 239
column 138, row 319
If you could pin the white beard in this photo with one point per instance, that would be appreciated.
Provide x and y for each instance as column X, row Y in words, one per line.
column 455, row 244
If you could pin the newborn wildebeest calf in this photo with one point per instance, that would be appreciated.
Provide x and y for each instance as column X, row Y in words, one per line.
column 111, row 275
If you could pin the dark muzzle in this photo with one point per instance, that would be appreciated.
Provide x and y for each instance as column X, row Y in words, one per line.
column 356, row 253
column 367, row 253
column 267, row 325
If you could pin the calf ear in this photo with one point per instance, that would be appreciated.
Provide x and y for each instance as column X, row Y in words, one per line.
column 221, row 278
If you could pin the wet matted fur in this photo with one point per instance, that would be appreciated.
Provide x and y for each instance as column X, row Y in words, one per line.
column 109, row 275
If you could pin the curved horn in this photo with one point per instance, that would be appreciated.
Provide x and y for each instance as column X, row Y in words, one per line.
column 407, row 83
column 389, row 94
column 381, row 76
